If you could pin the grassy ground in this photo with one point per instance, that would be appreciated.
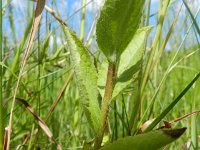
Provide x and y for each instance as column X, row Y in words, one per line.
column 48, row 78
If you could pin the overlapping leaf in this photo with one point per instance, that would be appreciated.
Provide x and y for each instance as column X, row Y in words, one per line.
column 130, row 60
column 128, row 64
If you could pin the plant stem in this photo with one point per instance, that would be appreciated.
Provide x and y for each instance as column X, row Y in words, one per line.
column 82, row 30
column 39, row 73
column 161, row 17
column 115, row 121
column 105, row 105
column 1, row 80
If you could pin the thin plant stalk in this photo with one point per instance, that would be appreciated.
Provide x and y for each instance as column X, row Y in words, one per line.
column 82, row 20
column 1, row 80
column 169, row 69
column 162, row 13
column 147, row 69
column 115, row 120
column 105, row 105
column 39, row 73
column 161, row 49
column 148, row 13
column 38, row 13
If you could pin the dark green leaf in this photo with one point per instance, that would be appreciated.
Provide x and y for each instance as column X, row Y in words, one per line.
column 118, row 22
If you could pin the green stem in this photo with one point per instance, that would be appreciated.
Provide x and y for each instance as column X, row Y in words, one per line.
column 39, row 74
column 82, row 30
column 148, row 13
column 1, row 80
column 115, row 121
column 105, row 105
column 161, row 17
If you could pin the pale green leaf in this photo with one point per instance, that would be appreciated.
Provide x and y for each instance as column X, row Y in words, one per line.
column 102, row 76
column 118, row 22
column 148, row 141
column 86, row 77
column 130, row 60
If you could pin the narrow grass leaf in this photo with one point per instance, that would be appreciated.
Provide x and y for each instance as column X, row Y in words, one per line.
column 192, row 17
column 43, row 53
column 40, row 122
column 86, row 76
column 172, row 105
column 146, row 141
column 118, row 22
column 61, row 93
column 36, row 21
column 16, row 60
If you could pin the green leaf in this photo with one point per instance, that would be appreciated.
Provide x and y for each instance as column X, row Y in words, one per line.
column 148, row 141
column 118, row 22
column 86, row 77
column 130, row 60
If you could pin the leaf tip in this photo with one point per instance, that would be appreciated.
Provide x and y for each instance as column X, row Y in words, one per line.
column 176, row 133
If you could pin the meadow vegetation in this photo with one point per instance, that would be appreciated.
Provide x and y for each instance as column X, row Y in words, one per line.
column 117, row 82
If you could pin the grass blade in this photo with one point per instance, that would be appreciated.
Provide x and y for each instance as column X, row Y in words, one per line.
column 37, row 18
column 40, row 122
column 82, row 28
column 1, row 80
column 16, row 60
column 172, row 105
column 169, row 69
column 53, row 106
column 192, row 17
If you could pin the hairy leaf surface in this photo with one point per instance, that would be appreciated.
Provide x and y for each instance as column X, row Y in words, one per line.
column 118, row 22
column 86, row 77
column 148, row 141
